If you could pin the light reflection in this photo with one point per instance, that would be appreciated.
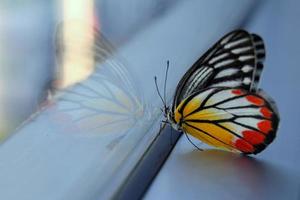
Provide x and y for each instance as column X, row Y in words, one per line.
column 77, row 40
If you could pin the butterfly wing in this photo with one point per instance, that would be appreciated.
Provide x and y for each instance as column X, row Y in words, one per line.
column 236, row 60
column 230, row 118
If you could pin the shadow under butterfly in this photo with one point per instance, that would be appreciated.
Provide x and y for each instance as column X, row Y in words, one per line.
column 218, row 101
column 230, row 173
column 107, row 104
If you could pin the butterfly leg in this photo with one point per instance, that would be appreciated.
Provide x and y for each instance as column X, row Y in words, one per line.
column 192, row 142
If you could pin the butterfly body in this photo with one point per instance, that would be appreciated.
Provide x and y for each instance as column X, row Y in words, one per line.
column 217, row 101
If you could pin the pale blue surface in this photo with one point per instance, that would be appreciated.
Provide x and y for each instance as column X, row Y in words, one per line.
column 273, row 174
column 278, row 23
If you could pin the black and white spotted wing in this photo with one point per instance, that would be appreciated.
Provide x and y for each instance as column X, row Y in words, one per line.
column 236, row 60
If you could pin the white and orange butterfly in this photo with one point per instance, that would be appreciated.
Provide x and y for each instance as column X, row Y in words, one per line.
column 217, row 100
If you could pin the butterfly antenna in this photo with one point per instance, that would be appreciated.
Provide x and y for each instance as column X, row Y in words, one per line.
column 166, row 78
column 192, row 142
column 158, row 92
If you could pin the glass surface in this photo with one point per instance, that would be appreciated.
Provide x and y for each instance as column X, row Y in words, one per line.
column 103, row 112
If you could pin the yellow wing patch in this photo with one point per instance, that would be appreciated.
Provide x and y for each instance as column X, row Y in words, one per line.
column 213, row 141
column 209, row 114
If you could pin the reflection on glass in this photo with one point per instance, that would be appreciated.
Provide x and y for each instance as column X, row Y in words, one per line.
column 106, row 108
column 88, row 129
column 106, row 104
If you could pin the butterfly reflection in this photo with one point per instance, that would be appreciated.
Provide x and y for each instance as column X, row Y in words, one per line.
column 107, row 104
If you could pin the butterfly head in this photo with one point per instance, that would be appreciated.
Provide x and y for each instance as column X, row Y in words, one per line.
column 171, row 120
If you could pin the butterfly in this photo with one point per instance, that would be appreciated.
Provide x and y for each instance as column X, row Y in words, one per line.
column 218, row 100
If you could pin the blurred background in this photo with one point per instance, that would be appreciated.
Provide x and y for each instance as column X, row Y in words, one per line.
column 26, row 59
